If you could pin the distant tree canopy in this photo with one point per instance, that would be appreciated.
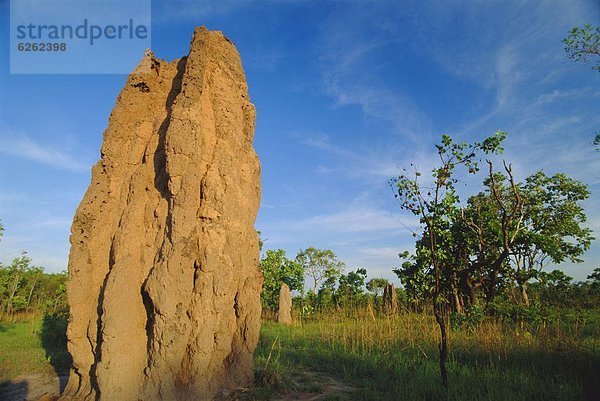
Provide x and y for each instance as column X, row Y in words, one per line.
column 376, row 285
column 351, row 286
column 331, row 286
column 277, row 269
column 583, row 43
column 26, row 288
column 321, row 265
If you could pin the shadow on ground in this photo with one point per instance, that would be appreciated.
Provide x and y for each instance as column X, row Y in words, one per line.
column 14, row 390
column 53, row 336
column 411, row 373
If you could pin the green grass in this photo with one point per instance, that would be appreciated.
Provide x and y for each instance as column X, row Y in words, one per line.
column 380, row 358
column 396, row 358
column 21, row 350
column 32, row 346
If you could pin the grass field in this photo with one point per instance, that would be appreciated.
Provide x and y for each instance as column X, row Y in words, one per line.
column 395, row 358
column 21, row 350
column 382, row 358
column 32, row 345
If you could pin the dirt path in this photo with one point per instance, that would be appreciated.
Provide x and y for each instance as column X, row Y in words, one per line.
column 301, row 386
column 311, row 386
column 33, row 387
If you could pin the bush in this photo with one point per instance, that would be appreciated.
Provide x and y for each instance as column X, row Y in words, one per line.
column 472, row 317
column 54, row 340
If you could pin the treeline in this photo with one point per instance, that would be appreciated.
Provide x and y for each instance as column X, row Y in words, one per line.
column 324, row 274
column 487, row 255
column 330, row 287
column 25, row 288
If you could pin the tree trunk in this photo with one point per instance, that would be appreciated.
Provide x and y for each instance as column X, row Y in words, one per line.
column 490, row 292
column 455, row 296
column 457, row 302
column 31, row 292
column 493, row 280
column 472, row 296
column 524, row 296
column 9, row 308
column 443, row 345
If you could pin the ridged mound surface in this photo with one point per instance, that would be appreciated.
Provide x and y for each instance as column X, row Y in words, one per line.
column 163, row 270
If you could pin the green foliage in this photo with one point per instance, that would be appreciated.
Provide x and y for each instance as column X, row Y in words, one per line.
column 504, row 236
column 554, row 219
column 595, row 276
column 376, row 285
column 472, row 317
column 26, row 288
column 351, row 286
column 278, row 269
column 583, row 43
column 555, row 289
column 53, row 337
column 416, row 277
column 321, row 265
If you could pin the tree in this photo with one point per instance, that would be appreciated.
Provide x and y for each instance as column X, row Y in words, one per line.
column 278, row 269
column 321, row 265
column 416, row 280
column 376, row 285
column 595, row 276
column 552, row 226
column 435, row 204
column 495, row 217
column 580, row 45
column 583, row 43
column 13, row 278
column 351, row 286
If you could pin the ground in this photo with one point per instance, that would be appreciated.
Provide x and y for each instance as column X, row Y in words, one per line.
column 360, row 356
column 27, row 372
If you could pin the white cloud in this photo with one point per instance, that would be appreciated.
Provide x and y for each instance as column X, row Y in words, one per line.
column 23, row 147
column 375, row 165
column 346, row 227
column 381, row 104
column 385, row 252
column 355, row 220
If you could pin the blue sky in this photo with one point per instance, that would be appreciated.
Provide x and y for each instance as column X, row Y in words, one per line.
column 347, row 93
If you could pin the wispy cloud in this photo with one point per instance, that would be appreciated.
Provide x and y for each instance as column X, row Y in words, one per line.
column 23, row 147
column 356, row 219
column 184, row 10
column 353, row 224
column 382, row 104
column 352, row 78
column 374, row 165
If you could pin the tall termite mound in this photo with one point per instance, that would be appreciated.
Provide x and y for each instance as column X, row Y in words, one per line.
column 284, row 313
column 390, row 299
column 163, row 270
